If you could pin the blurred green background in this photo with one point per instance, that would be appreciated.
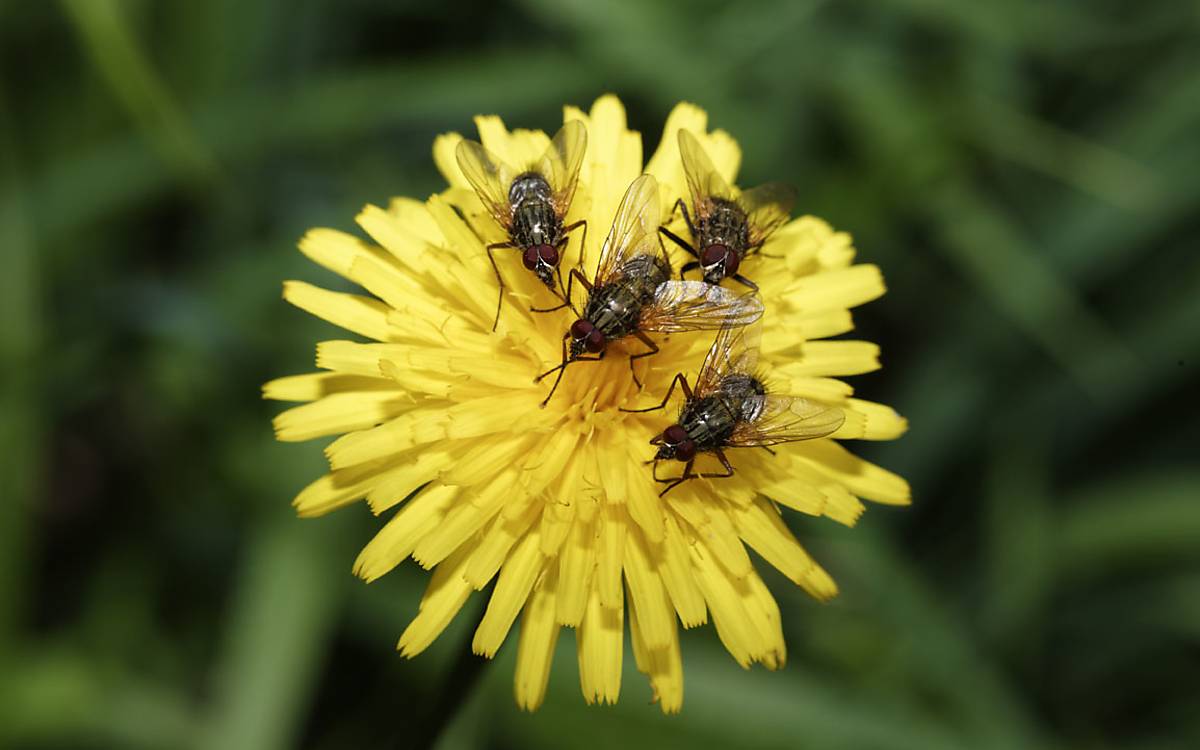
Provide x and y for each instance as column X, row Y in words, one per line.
column 1027, row 174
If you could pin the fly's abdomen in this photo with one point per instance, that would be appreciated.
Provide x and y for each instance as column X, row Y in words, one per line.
column 615, row 310
column 725, row 225
column 708, row 422
column 616, row 307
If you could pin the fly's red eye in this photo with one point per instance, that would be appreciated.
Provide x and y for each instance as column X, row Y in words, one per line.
column 548, row 254
column 731, row 263
column 595, row 342
column 674, row 435
column 714, row 254
column 530, row 257
column 580, row 329
column 685, row 451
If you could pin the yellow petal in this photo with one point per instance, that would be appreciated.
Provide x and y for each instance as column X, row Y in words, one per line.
column 712, row 524
column 861, row 477
column 809, row 244
column 763, row 529
column 599, row 649
column 498, row 540
column 794, row 482
column 665, row 163
column 399, row 536
column 337, row 251
column 337, row 489
column 610, row 555
column 362, row 315
column 445, row 147
column 482, row 502
column 835, row 289
column 341, row 412
column 763, row 613
column 729, row 616
column 641, row 496
column 674, row 565
column 825, row 390
column 412, row 472
column 445, row 596
column 788, row 327
column 512, row 590
column 819, row 358
column 539, row 636
column 646, row 591
column 413, row 250
column 664, row 666
column 867, row 420
column 420, row 426
column 315, row 385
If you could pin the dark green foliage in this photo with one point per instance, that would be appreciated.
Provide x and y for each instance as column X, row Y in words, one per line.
column 1025, row 172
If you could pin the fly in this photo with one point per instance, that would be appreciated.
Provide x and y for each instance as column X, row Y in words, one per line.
column 726, row 226
column 633, row 294
column 731, row 408
column 530, row 205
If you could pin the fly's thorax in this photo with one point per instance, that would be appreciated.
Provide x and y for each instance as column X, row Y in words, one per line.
column 725, row 224
column 709, row 421
column 615, row 307
column 529, row 186
column 535, row 222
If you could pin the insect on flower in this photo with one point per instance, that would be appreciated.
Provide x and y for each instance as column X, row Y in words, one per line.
column 731, row 408
column 725, row 226
column 531, row 205
column 633, row 293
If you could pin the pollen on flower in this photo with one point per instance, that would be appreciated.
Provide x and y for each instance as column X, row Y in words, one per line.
column 440, row 420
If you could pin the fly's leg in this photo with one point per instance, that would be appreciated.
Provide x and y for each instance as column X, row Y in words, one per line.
column 583, row 244
column 768, row 450
column 724, row 462
column 547, row 309
column 653, row 350
column 688, row 267
column 689, row 474
column 561, row 366
column 676, row 481
column 561, row 287
column 654, row 471
column 679, row 379
column 575, row 273
column 687, row 218
column 678, row 241
column 744, row 281
column 561, row 369
column 499, row 278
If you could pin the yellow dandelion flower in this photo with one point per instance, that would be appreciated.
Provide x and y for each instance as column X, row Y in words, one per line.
column 440, row 425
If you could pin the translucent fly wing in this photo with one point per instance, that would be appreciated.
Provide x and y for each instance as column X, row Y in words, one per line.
column 704, row 182
column 735, row 350
column 634, row 229
column 490, row 177
column 694, row 305
column 770, row 419
column 767, row 208
column 560, row 164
